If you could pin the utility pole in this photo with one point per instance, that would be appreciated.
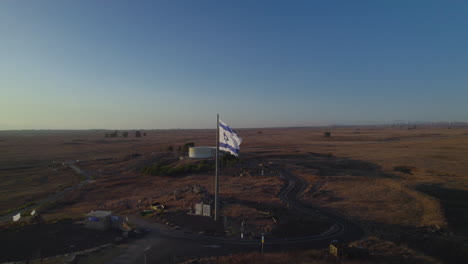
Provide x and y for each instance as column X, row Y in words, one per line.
column 242, row 229
column 146, row 249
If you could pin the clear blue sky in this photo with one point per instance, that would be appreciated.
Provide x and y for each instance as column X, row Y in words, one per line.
column 175, row 64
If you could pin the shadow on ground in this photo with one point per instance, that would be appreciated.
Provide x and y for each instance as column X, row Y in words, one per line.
column 454, row 203
column 330, row 165
column 432, row 241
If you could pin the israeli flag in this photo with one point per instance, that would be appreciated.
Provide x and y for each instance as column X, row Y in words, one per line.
column 229, row 140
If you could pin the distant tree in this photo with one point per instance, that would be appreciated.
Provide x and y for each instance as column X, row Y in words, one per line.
column 170, row 148
column 125, row 134
column 107, row 135
column 144, row 134
column 137, row 134
column 187, row 146
column 179, row 148
column 327, row 134
column 114, row 134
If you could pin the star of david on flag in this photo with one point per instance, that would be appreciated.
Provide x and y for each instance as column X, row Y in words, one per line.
column 229, row 140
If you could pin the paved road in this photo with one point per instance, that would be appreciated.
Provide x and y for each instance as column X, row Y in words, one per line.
column 163, row 245
column 53, row 197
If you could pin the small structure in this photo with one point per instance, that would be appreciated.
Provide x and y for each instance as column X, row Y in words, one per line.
column 202, row 209
column 351, row 252
column 99, row 220
column 158, row 207
column 198, row 209
column 334, row 248
column 202, row 152
column 206, row 210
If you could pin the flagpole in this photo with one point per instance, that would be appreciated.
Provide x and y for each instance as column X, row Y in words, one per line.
column 216, row 171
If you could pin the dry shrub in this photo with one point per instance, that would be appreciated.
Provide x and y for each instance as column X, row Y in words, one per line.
column 381, row 200
column 383, row 251
column 241, row 212
column 404, row 169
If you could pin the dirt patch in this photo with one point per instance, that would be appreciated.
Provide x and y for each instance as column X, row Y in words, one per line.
column 276, row 221
column 327, row 165
column 198, row 224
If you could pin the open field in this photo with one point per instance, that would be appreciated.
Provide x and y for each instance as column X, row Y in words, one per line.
column 403, row 185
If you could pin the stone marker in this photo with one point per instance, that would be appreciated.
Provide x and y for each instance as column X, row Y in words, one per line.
column 206, row 210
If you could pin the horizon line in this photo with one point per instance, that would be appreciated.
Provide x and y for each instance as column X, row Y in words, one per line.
column 266, row 127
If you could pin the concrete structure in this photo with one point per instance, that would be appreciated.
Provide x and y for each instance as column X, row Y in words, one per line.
column 206, row 210
column 99, row 220
column 202, row 209
column 202, row 152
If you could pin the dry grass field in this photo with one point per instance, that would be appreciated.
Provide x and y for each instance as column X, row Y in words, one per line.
column 403, row 185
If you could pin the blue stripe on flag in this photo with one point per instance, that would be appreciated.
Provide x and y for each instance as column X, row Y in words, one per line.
column 231, row 148
column 227, row 128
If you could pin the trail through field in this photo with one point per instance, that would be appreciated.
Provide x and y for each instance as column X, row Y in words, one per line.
column 52, row 198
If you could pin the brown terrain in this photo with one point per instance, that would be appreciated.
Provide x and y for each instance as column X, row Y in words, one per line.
column 406, row 187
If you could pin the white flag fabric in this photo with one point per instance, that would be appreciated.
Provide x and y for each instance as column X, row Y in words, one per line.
column 17, row 217
column 229, row 140
column 33, row 212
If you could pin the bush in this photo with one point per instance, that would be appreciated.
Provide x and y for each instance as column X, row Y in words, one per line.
column 125, row 134
column 114, row 134
column 404, row 169
column 327, row 134
column 137, row 134
column 203, row 167
column 229, row 159
column 187, row 146
column 170, row 148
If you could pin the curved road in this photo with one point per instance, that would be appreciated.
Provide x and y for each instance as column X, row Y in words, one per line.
column 163, row 245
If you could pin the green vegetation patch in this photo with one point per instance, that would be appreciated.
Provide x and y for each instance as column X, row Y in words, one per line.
column 187, row 146
column 229, row 160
